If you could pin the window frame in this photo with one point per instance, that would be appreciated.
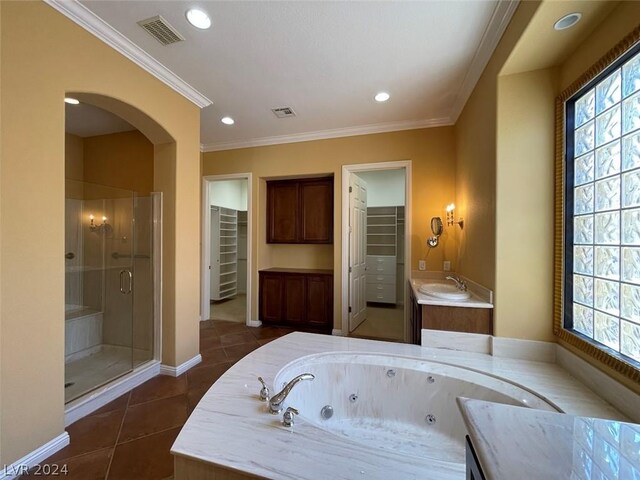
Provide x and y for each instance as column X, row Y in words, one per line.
column 564, row 178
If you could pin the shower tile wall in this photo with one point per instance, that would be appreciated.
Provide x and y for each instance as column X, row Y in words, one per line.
column 72, row 244
column 117, row 328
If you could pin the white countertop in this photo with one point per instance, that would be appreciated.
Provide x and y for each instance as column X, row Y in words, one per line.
column 231, row 428
column 509, row 441
column 476, row 300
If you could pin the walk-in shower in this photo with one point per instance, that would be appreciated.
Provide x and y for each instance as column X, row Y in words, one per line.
column 109, row 284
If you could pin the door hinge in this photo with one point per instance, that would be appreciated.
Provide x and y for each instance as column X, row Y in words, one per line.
column 349, row 309
column 350, row 269
column 350, row 189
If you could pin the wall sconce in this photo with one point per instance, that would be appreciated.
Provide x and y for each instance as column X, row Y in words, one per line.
column 451, row 208
column 104, row 227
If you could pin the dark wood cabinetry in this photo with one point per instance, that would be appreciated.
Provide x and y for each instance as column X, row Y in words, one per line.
column 298, row 298
column 300, row 210
column 474, row 472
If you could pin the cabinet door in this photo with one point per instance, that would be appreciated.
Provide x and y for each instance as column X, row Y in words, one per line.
column 282, row 212
column 294, row 295
column 316, row 213
column 271, row 296
column 320, row 300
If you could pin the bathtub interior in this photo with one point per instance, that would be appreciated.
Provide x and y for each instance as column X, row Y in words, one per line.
column 405, row 405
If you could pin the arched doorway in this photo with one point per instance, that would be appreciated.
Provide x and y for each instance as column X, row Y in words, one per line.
column 113, row 251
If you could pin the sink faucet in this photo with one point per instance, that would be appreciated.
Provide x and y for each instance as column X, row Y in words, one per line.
column 275, row 402
column 458, row 281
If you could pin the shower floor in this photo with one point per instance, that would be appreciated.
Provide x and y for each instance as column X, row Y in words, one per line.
column 103, row 366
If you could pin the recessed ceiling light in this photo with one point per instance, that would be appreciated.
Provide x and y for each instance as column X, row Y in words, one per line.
column 198, row 18
column 382, row 97
column 227, row 120
column 71, row 101
column 567, row 21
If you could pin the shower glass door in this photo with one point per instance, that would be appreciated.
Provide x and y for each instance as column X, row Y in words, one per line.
column 99, row 286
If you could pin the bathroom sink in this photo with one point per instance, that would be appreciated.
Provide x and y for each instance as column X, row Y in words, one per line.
column 444, row 291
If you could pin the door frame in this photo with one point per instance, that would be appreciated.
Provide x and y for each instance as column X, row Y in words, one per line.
column 347, row 170
column 205, row 279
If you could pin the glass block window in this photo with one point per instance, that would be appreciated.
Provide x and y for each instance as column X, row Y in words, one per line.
column 602, row 233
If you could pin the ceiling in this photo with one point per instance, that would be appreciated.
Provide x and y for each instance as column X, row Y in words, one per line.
column 326, row 60
column 85, row 120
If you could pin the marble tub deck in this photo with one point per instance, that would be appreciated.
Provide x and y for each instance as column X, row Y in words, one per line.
column 231, row 428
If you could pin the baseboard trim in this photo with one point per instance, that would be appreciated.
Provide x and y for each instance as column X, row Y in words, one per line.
column 21, row 466
column 254, row 323
column 180, row 369
column 337, row 332
column 94, row 400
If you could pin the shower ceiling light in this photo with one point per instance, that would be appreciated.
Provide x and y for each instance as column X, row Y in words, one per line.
column 198, row 18
column 567, row 21
column 382, row 97
column 71, row 101
column 227, row 120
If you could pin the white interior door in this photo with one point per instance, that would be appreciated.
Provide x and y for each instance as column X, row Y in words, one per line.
column 357, row 251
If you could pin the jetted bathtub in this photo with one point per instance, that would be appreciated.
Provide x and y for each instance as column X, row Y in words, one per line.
column 404, row 405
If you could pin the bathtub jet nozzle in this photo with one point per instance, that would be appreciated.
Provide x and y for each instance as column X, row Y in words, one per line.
column 275, row 402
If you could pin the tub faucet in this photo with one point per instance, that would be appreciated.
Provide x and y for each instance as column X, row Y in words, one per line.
column 275, row 402
column 458, row 281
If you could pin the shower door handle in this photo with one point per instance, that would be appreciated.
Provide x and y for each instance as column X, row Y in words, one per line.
column 122, row 275
column 122, row 282
column 130, row 281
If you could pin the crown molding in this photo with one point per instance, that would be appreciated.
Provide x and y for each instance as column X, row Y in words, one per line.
column 497, row 25
column 326, row 134
column 88, row 20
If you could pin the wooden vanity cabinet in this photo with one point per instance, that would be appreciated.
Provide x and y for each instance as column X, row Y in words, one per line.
column 457, row 319
column 299, row 298
column 451, row 319
column 300, row 211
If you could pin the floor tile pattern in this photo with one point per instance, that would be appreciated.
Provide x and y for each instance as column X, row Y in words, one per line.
column 130, row 438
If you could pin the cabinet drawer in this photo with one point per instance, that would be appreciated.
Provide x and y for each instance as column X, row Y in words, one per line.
column 381, row 265
column 386, row 279
column 382, row 293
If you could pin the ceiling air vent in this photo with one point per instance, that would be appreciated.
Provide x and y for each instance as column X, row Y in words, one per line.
column 160, row 29
column 283, row 112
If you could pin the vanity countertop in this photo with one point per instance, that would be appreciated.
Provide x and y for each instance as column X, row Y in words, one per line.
column 476, row 300
column 510, row 441
column 231, row 428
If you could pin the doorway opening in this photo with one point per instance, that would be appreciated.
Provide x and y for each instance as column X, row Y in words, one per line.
column 376, row 252
column 226, row 248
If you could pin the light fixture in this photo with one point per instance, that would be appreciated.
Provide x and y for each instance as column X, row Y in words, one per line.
column 198, row 18
column 567, row 21
column 451, row 208
column 104, row 227
column 227, row 120
column 71, row 101
column 381, row 97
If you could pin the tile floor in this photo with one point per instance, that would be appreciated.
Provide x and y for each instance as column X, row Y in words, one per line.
column 130, row 438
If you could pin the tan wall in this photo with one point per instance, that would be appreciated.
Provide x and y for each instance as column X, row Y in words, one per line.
column 476, row 146
column 73, row 157
column 524, row 205
column 63, row 57
column 431, row 151
column 121, row 160
column 619, row 23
